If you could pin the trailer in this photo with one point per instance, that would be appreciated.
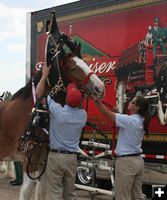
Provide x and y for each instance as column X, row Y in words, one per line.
column 113, row 38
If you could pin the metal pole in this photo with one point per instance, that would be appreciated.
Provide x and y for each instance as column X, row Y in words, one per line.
column 93, row 189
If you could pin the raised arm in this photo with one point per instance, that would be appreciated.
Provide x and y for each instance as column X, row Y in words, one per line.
column 40, row 89
column 105, row 111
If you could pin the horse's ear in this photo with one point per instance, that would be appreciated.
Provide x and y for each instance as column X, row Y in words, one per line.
column 79, row 47
column 77, row 50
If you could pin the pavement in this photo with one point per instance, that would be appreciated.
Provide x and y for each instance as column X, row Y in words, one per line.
column 8, row 192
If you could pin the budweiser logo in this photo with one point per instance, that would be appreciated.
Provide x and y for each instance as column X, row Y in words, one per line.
column 96, row 66
column 102, row 67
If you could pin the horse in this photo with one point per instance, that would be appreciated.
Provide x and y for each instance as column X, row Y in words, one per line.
column 2, row 164
column 65, row 67
column 6, row 167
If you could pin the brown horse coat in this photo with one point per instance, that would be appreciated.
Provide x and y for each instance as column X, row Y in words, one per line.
column 14, row 116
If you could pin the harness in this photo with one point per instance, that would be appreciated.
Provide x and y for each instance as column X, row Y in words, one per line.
column 35, row 140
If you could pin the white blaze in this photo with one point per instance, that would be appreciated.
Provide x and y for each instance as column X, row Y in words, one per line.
column 82, row 65
column 94, row 78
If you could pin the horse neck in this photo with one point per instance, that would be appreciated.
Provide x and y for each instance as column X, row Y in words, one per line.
column 24, row 104
column 23, row 99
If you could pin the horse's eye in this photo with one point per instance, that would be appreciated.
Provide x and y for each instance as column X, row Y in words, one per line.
column 73, row 69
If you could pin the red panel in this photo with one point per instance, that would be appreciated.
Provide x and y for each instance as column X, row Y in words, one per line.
column 111, row 34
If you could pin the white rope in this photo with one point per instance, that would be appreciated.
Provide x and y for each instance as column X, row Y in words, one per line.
column 33, row 93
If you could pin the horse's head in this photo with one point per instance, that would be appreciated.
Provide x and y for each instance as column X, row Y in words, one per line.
column 64, row 56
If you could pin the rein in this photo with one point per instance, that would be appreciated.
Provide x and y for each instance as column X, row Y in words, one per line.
column 59, row 86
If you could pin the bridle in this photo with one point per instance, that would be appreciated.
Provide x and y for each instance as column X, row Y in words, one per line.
column 60, row 86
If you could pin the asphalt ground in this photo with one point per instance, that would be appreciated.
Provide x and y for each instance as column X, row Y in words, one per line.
column 8, row 192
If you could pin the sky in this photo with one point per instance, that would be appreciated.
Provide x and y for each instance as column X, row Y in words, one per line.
column 13, row 40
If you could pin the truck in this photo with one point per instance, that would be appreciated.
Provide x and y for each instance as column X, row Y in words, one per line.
column 114, row 38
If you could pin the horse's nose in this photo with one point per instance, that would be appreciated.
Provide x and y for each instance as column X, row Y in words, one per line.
column 99, row 93
column 97, row 89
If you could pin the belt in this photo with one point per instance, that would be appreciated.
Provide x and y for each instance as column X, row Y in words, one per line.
column 129, row 155
column 62, row 151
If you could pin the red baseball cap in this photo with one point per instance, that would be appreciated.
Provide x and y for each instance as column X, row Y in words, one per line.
column 74, row 96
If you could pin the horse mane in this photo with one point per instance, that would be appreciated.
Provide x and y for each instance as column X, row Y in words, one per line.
column 26, row 91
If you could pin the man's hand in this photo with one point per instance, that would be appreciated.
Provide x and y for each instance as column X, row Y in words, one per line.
column 40, row 89
column 45, row 71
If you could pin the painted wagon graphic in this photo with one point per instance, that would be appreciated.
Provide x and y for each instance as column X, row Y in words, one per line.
column 138, row 72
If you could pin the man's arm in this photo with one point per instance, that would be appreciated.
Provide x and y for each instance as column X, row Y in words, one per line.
column 40, row 89
column 104, row 110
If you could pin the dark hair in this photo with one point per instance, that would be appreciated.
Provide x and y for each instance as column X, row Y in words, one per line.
column 143, row 111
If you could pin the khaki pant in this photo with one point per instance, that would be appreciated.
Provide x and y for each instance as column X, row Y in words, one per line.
column 128, row 178
column 60, row 176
